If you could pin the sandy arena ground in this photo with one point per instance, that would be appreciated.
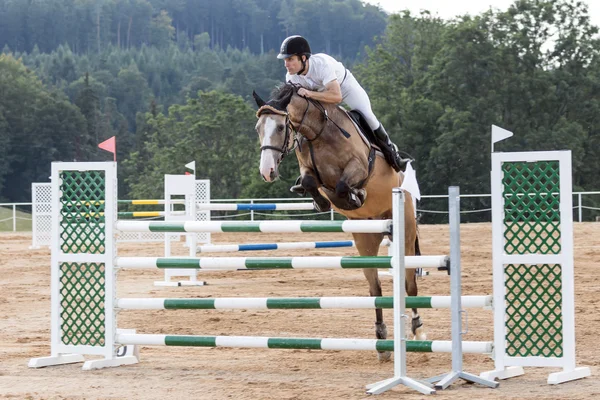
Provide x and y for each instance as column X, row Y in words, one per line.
column 205, row 373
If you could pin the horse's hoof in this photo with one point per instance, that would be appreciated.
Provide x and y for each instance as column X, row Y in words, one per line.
column 384, row 356
column 324, row 207
column 362, row 195
column 352, row 203
column 420, row 334
column 299, row 190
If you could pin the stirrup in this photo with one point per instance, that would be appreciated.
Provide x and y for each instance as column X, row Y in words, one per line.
column 395, row 161
column 398, row 163
column 402, row 162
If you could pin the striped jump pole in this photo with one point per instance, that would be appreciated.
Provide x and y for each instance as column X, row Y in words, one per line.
column 265, row 303
column 133, row 202
column 230, row 248
column 255, row 207
column 133, row 214
column 370, row 226
column 235, row 263
column 426, row 346
column 141, row 214
column 147, row 202
column 233, row 248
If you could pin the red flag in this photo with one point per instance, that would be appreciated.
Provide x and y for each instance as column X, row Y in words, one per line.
column 110, row 146
column 187, row 173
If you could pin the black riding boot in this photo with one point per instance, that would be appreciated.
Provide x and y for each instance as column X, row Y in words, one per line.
column 297, row 188
column 389, row 149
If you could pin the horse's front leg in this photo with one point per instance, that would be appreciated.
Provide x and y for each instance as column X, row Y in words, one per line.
column 346, row 190
column 368, row 245
column 310, row 184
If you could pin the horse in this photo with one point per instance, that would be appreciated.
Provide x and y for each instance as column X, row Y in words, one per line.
column 338, row 169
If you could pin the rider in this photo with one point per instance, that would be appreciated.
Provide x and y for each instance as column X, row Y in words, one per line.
column 327, row 80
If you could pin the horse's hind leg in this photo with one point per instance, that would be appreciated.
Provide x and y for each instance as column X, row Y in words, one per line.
column 412, row 248
column 411, row 290
column 368, row 245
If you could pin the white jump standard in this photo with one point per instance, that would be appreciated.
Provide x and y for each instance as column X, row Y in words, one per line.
column 84, row 260
column 532, row 225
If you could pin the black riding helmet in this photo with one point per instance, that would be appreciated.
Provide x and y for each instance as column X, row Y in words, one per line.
column 294, row 45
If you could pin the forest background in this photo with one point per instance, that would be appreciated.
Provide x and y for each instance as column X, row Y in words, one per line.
column 172, row 80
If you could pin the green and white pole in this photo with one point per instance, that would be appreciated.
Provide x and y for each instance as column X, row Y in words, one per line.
column 236, row 263
column 279, row 303
column 426, row 346
column 349, row 226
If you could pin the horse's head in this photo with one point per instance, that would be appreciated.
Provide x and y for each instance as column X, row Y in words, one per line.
column 274, row 131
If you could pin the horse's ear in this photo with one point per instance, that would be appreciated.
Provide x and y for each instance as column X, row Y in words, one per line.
column 259, row 102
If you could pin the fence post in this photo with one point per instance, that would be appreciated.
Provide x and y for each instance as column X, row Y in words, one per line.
column 579, row 205
column 14, row 207
column 251, row 211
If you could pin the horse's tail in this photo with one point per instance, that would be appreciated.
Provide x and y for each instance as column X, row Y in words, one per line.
column 417, row 247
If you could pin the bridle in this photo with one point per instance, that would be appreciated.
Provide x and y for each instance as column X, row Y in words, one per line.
column 291, row 145
column 287, row 148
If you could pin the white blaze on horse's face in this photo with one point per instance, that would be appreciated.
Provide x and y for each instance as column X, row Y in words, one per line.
column 271, row 132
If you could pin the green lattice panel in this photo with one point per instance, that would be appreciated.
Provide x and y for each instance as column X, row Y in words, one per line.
column 82, row 294
column 82, row 228
column 531, row 207
column 533, row 303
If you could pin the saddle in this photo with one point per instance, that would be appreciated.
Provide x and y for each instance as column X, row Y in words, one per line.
column 363, row 126
column 367, row 134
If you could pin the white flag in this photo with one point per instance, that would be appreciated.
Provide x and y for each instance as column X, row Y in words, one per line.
column 499, row 134
column 191, row 165
column 411, row 185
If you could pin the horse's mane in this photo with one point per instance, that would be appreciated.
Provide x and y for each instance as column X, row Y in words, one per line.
column 282, row 95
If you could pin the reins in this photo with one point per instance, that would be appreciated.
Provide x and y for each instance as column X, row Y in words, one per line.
column 299, row 137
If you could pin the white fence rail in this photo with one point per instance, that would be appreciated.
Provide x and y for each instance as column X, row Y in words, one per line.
column 12, row 213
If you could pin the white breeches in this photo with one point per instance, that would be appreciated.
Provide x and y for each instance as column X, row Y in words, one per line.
column 357, row 99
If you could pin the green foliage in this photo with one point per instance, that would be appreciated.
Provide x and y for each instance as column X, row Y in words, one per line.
column 91, row 26
column 161, row 30
column 37, row 126
column 215, row 130
column 532, row 69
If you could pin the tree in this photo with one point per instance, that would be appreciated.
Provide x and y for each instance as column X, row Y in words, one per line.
column 162, row 31
column 87, row 101
column 37, row 126
column 215, row 130
column 132, row 94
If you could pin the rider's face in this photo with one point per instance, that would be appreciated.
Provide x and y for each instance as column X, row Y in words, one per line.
column 293, row 64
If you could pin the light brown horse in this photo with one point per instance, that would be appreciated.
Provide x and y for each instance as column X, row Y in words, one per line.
column 335, row 168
